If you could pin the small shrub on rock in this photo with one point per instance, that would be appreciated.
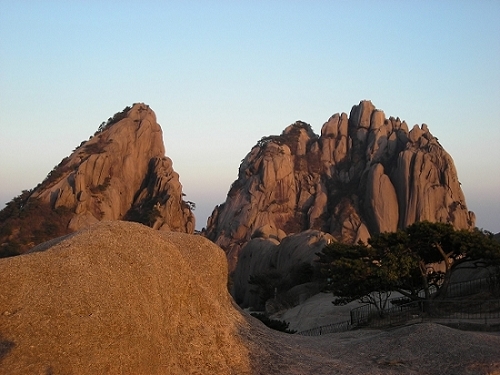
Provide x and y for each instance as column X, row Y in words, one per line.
column 278, row 325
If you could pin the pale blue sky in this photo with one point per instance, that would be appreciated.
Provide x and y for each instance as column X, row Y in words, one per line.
column 222, row 74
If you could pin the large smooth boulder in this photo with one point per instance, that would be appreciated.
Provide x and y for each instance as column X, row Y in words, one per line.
column 120, row 298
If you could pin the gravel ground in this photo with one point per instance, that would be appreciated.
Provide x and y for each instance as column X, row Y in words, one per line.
column 422, row 349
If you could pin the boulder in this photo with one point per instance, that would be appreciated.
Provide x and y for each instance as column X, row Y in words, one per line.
column 291, row 260
column 120, row 298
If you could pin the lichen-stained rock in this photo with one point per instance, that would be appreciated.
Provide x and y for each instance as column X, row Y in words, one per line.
column 120, row 173
column 364, row 174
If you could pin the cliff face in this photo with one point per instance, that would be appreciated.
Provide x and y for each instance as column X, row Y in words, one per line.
column 121, row 173
column 364, row 174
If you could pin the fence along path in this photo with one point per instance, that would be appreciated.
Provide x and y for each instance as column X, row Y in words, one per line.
column 485, row 311
column 330, row 328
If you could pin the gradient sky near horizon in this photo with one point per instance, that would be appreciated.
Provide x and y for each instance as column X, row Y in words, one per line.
column 220, row 75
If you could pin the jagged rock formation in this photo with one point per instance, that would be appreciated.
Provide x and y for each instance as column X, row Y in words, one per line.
column 364, row 174
column 119, row 173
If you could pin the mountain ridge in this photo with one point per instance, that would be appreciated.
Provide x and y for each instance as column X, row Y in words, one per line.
column 363, row 174
column 120, row 173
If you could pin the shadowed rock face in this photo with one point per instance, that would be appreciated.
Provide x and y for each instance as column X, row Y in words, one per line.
column 364, row 174
column 121, row 173
column 264, row 253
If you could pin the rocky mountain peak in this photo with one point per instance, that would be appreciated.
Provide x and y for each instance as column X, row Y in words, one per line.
column 363, row 174
column 120, row 173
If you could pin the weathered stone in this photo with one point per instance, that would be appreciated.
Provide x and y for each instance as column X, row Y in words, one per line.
column 269, row 232
column 120, row 298
column 284, row 258
column 365, row 174
column 121, row 173
column 381, row 201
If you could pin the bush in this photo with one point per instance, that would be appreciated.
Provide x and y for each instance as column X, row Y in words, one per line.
column 97, row 147
column 267, row 285
column 301, row 273
column 10, row 249
column 26, row 222
column 189, row 204
column 278, row 325
column 101, row 188
column 146, row 213
column 113, row 120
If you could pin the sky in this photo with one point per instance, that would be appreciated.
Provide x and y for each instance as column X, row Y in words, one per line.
column 220, row 75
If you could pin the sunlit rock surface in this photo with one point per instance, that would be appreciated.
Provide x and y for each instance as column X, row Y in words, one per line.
column 120, row 173
column 364, row 174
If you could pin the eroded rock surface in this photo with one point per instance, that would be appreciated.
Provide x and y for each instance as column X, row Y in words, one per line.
column 364, row 174
column 121, row 173
column 120, row 298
